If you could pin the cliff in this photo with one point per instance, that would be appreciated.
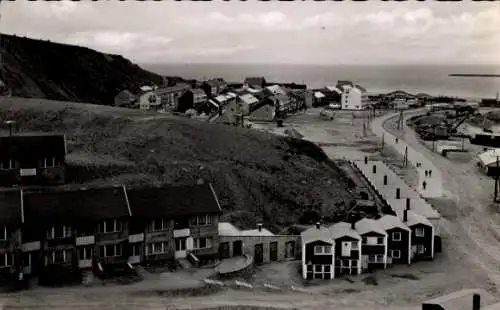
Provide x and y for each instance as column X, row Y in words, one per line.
column 43, row 69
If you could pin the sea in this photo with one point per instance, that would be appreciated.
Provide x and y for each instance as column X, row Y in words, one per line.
column 430, row 79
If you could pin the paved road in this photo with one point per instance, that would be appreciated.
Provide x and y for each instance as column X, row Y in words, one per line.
column 472, row 226
column 434, row 184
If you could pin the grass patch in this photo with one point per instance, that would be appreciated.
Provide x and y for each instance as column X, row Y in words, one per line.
column 257, row 175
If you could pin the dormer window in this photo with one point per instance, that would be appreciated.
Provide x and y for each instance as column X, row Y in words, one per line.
column 109, row 226
column 58, row 232
column 159, row 224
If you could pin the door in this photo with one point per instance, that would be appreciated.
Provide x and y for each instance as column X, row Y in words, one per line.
column 259, row 254
column 224, row 250
column 273, row 253
column 237, row 248
column 180, row 248
column 290, row 249
column 346, row 248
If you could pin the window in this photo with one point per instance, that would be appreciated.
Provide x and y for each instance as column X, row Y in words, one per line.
column 180, row 244
column 419, row 232
column 4, row 233
column 373, row 240
column 111, row 250
column 378, row 258
column 380, row 240
column 85, row 252
column 136, row 249
column 420, row 249
column 59, row 256
column 7, row 164
column 318, row 268
column 48, row 162
column 6, row 260
column 396, row 254
column 159, row 224
column 58, row 232
column 309, row 268
column 202, row 242
column 396, row 236
column 157, row 248
column 110, row 226
column 201, row 220
column 354, row 244
column 322, row 250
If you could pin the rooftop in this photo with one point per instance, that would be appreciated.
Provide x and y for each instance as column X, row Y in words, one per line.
column 228, row 229
column 177, row 87
column 390, row 221
column 366, row 225
column 343, row 229
column 314, row 234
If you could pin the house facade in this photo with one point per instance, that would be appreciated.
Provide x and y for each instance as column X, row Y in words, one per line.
column 353, row 98
column 150, row 101
column 347, row 249
column 170, row 95
column 373, row 244
column 398, row 240
column 422, row 236
column 192, row 99
column 10, row 235
column 318, row 253
column 20, row 165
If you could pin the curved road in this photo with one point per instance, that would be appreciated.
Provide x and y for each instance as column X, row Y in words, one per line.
column 471, row 227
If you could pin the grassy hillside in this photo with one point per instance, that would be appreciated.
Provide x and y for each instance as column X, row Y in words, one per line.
column 42, row 69
column 256, row 175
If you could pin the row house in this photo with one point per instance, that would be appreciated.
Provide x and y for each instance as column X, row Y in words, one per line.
column 21, row 165
column 170, row 95
column 58, row 235
column 214, row 87
column 192, row 99
column 368, row 244
column 150, row 101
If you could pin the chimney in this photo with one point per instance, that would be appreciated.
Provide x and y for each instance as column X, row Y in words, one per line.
column 259, row 227
column 398, row 193
column 407, row 203
column 374, row 168
column 385, row 179
column 366, row 160
column 476, row 302
column 353, row 225
column 405, row 216
column 317, row 225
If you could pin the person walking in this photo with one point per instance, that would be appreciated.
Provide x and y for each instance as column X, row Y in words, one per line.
column 424, row 185
column 425, row 173
column 430, row 172
column 397, row 140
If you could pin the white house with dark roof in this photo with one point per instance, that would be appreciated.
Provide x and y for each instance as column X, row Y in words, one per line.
column 318, row 252
column 347, row 249
column 353, row 98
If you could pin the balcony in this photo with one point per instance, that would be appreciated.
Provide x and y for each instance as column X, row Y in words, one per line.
column 179, row 233
column 85, row 240
column 84, row 263
column 136, row 259
column 31, row 246
column 136, row 238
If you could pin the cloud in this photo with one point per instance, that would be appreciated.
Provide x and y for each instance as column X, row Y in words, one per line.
column 116, row 42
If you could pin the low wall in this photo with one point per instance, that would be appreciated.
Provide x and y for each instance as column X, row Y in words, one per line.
column 249, row 242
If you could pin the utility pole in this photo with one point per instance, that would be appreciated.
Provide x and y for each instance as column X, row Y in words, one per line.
column 405, row 159
column 10, row 123
column 382, row 147
column 433, row 137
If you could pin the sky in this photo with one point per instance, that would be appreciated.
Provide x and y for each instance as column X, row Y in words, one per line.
column 371, row 32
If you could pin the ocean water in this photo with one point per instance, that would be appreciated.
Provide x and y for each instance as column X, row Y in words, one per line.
column 431, row 79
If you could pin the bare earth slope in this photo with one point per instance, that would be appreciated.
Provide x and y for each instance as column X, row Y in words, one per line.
column 255, row 174
column 43, row 69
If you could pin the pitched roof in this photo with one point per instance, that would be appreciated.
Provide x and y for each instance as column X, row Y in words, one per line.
column 227, row 229
column 314, row 234
column 74, row 206
column 361, row 88
column 334, row 89
column 414, row 219
column 173, row 201
column 390, row 221
column 343, row 229
column 176, row 88
column 221, row 98
column 319, row 94
column 10, row 206
column 367, row 225
column 198, row 91
column 32, row 146
column 249, row 99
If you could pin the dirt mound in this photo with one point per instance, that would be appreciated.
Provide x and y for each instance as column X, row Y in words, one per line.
column 256, row 175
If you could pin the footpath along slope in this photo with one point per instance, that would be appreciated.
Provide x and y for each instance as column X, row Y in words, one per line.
column 473, row 231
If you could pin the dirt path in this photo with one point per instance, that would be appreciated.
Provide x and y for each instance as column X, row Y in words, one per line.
column 472, row 226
